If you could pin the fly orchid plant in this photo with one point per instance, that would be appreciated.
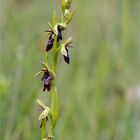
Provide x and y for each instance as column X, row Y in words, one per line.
column 54, row 43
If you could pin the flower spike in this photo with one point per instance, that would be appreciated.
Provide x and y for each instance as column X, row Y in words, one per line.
column 54, row 43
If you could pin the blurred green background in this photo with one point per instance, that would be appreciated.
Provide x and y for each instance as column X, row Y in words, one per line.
column 99, row 91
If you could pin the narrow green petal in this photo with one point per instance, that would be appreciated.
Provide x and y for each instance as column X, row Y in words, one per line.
column 43, row 65
column 68, row 41
column 39, row 72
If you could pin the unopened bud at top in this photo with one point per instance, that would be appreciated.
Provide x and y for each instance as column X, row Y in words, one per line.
column 66, row 4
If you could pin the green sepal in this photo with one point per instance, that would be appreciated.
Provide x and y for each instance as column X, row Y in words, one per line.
column 50, row 26
column 68, row 41
column 63, row 50
column 53, row 28
column 52, row 73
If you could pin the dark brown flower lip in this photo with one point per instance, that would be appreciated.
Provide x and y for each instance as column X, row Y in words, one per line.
column 59, row 28
column 47, row 78
column 49, row 44
column 67, row 58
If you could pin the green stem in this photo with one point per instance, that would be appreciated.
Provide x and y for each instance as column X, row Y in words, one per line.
column 47, row 58
column 54, row 93
column 43, row 129
column 55, row 62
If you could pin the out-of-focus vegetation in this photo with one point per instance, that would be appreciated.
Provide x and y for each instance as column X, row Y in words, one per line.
column 95, row 100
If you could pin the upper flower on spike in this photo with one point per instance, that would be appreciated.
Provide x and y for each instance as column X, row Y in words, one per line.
column 64, row 50
column 58, row 28
column 54, row 31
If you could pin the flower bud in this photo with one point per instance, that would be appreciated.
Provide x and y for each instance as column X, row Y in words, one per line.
column 66, row 4
column 67, row 13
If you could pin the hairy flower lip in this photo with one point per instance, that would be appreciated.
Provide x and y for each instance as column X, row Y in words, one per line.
column 47, row 84
column 49, row 44
column 47, row 78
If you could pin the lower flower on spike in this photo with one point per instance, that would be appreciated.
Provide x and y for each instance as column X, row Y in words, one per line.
column 45, row 110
